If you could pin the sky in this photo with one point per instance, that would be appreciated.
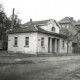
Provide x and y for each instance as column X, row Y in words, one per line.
column 42, row 9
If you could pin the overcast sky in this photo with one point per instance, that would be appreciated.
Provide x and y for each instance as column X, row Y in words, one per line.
column 42, row 9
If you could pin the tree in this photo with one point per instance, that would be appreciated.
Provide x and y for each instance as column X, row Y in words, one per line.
column 2, row 20
column 16, row 21
column 69, row 36
column 6, row 22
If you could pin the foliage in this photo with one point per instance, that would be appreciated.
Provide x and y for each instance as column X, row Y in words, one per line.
column 6, row 22
column 16, row 21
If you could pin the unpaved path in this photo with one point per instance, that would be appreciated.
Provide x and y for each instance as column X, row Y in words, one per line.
column 42, row 70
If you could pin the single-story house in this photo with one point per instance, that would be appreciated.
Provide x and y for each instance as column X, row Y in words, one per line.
column 38, row 37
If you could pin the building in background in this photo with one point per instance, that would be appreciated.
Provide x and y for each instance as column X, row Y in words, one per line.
column 69, row 27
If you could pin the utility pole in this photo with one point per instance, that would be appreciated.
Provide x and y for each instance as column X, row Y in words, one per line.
column 12, row 26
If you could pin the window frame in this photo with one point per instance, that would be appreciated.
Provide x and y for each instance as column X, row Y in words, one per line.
column 15, row 41
column 26, row 42
column 53, row 28
column 42, row 41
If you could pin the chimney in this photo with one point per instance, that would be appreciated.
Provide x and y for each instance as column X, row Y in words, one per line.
column 71, row 18
column 30, row 21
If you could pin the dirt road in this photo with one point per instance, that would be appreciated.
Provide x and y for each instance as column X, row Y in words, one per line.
column 44, row 70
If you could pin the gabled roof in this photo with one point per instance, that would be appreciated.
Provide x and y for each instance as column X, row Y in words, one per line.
column 43, row 22
column 34, row 28
column 68, row 20
column 30, row 28
column 65, row 20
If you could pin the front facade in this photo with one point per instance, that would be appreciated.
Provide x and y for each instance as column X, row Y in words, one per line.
column 37, row 38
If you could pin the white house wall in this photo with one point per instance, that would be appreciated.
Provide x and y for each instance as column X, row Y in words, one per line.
column 21, row 43
column 35, row 43
column 49, row 26
column 40, row 48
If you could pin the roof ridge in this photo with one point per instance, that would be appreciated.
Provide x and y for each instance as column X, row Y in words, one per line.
column 43, row 20
column 39, row 22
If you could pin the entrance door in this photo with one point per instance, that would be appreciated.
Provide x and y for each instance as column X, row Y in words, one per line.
column 53, row 45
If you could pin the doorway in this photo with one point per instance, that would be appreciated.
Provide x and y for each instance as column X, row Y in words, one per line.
column 53, row 45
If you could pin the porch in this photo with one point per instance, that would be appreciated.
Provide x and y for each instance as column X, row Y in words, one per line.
column 53, row 45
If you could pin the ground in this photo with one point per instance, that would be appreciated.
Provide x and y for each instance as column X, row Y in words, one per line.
column 13, row 67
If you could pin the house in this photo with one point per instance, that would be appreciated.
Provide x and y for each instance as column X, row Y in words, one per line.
column 38, row 37
column 68, row 28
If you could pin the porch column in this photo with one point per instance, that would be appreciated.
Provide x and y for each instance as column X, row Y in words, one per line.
column 58, row 45
column 55, row 45
column 50, row 45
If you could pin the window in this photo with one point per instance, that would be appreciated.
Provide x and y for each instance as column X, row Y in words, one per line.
column 63, row 44
column 26, row 41
column 53, row 28
column 42, row 41
column 15, row 41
